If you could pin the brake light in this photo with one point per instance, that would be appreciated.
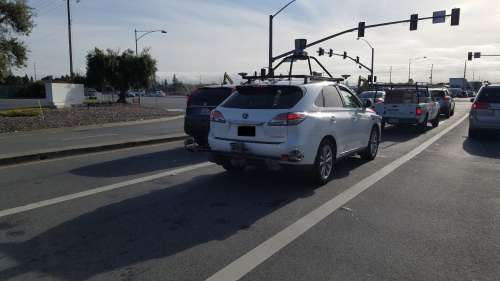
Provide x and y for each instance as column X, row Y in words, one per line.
column 480, row 105
column 287, row 119
column 446, row 98
column 419, row 111
column 216, row 116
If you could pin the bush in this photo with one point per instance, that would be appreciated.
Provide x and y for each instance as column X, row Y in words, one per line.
column 25, row 112
column 33, row 91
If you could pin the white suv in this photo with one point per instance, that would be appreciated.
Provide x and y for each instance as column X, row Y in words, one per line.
column 293, row 124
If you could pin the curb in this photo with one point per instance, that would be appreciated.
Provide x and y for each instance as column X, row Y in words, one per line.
column 79, row 150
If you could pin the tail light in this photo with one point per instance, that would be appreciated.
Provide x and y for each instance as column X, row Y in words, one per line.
column 480, row 105
column 419, row 111
column 287, row 119
column 216, row 116
column 446, row 98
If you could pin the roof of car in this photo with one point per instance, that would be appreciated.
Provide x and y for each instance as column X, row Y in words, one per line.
column 286, row 82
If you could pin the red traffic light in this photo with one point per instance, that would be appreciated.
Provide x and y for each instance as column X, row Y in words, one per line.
column 455, row 16
column 414, row 22
column 361, row 29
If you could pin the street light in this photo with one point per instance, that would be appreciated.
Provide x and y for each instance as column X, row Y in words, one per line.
column 271, row 17
column 409, row 65
column 144, row 33
column 373, row 58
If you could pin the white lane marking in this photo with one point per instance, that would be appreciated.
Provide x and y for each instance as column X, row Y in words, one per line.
column 240, row 267
column 102, row 189
column 89, row 137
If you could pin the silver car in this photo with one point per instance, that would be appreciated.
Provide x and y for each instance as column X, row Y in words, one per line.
column 446, row 101
column 485, row 111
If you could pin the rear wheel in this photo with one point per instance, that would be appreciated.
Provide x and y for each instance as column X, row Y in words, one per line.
column 435, row 122
column 230, row 167
column 473, row 134
column 448, row 113
column 324, row 165
column 371, row 150
column 453, row 111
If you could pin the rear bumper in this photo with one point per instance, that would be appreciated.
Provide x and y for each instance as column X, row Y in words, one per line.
column 196, row 127
column 476, row 124
column 399, row 120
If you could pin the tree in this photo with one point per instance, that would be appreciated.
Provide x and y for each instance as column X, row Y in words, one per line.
column 15, row 20
column 120, row 71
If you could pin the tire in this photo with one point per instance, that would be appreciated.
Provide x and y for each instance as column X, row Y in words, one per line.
column 324, row 165
column 435, row 122
column 473, row 134
column 229, row 167
column 448, row 113
column 201, row 141
column 453, row 111
column 371, row 150
column 382, row 125
column 423, row 126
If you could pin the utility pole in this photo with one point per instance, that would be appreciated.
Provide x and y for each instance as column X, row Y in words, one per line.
column 69, row 37
column 34, row 70
column 465, row 70
column 390, row 75
column 432, row 72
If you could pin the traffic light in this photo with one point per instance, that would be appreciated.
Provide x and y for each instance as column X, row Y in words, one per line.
column 330, row 53
column 469, row 56
column 357, row 59
column 345, row 55
column 455, row 16
column 413, row 22
column 321, row 52
column 477, row 55
column 361, row 29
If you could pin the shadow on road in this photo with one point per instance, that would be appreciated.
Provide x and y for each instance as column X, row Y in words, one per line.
column 140, row 164
column 487, row 145
column 159, row 224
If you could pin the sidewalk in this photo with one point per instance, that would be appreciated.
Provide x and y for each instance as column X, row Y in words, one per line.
column 48, row 143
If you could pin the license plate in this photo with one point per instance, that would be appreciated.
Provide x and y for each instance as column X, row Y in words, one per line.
column 205, row 111
column 246, row 131
column 393, row 121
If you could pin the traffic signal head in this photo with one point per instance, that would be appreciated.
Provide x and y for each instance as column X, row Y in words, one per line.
column 330, row 53
column 357, row 59
column 477, row 55
column 469, row 56
column 361, row 29
column 413, row 22
column 345, row 55
column 321, row 52
column 455, row 16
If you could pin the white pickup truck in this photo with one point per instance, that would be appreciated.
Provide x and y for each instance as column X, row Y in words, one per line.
column 409, row 106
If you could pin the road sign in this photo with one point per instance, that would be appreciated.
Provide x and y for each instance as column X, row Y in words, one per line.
column 439, row 17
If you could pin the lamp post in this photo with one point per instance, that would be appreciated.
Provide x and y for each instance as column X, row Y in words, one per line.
column 144, row 33
column 271, row 18
column 409, row 65
column 373, row 59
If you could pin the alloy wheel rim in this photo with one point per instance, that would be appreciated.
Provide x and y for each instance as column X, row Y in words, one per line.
column 326, row 162
column 374, row 143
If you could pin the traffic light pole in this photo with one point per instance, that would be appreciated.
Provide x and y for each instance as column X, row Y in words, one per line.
column 352, row 30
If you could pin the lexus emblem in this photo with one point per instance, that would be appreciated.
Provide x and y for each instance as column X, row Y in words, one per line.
column 245, row 115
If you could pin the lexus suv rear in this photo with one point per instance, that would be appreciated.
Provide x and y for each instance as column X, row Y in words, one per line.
column 293, row 125
column 485, row 111
column 199, row 105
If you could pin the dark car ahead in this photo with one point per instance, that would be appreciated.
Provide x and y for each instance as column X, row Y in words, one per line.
column 199, row 105
column 446, row 101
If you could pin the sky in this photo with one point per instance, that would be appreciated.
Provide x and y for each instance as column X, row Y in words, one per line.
column 209, row 37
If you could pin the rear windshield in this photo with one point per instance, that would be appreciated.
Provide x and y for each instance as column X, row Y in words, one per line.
column 489, row 94
column 367, row 95
column 438, row 93
column 401, row 96
column 276, row 97
column 210, row 96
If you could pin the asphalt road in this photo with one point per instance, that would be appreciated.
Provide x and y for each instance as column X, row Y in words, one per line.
column 25, row 142
column 161, row 213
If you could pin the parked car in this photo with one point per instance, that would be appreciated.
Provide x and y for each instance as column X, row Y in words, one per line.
column 372, row 97
column 199, row 105
column 295, row 125
column 413, row 106
column 485, row 112
column 446, row 101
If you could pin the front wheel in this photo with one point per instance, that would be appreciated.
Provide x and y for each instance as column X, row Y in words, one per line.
column 324, row 165
column 371, row 150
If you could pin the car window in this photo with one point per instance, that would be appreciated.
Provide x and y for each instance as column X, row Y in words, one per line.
column 270, row 97
column 371, row 94
column 332, row 97
column 320, row 100
column 438, row 93
column 350, row 100
column 489, row 94
column 209, row 96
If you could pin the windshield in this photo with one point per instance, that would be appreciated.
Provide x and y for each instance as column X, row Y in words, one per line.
column 400, row 96
column 489, row 94
column 438, row 93
column 274, row 97
column 209, row 96
column 371, row 94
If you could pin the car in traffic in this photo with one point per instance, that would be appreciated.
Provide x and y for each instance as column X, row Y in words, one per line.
column 198, row 107
column 446, row 101
column 293, row 124
column 373, row 97
column 485, row 112
column 409, row 106
column 458, row 93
